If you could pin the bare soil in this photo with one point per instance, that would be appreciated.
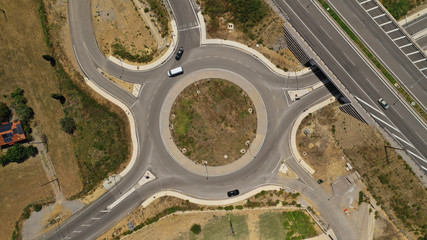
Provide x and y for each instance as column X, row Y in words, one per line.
column 392, row 183
column 215, row 123
column 120, row 22
column 270, row 30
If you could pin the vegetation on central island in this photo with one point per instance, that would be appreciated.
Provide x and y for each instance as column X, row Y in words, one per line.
column 212, row 120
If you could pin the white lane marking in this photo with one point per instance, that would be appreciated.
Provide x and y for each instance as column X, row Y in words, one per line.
column 383, row 24
column 423, row 59
column 422, row 69
column 378, row 16
column 406, row 45
column 280, row 161
column 95, row 218
column 413, row 154
column 360, row 100
column 421, row 138
column 85, row 225
column 394, row 30
column 349, row 59
column 120, row 199
column 412, row 53
column 189, row 28
column 359, row 20
column 407, row 143
column 398, row 38
column 372, row 85
column 75, row 231
column 325, row 32
column 364, row 2
column 379, row 119
column 372, row 9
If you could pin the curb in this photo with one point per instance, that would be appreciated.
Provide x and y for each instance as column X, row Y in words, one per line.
column 175, row 152
column 174, row 193
column 131, row 119
column 295, row 126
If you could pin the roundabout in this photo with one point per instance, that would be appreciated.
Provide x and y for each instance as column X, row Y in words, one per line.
column 153, row 146
column 201, row 167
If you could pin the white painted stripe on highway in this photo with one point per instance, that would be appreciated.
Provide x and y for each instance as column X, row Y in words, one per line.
column 365, row 2
column 399, row 38
column 394, row 30
column 105, row 211
column 423, row 59
column 349, row 59
column 412, row 53
column 378, row 16
column 407, row 143
column 372, row 9
column 422, row 69
column 406, row 45
column 383, row 24
column 95, row 218
column 360, row 100
column 115, row 203
column 415, row 155
column 75, row 231
column 397, row 130
column 85, row 225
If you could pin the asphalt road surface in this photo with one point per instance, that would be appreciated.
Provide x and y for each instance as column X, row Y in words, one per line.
column 94, row 219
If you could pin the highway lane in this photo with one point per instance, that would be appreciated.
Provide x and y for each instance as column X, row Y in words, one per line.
column 358, row 76
column 405, row 68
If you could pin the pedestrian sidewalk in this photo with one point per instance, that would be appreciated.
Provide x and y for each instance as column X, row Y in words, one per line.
column 414, row 16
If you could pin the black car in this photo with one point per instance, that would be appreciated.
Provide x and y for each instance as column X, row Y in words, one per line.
column 320, row 181
column 233, row 193
column 179, row 53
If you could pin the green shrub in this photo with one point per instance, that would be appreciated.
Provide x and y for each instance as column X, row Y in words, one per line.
column 67, row 124
column 229, row 208
column 239, row 207
column 37, row 207
column 196, row 229
column 5, row 113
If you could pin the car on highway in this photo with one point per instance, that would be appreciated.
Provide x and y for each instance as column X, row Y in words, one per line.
column 179, row 53
column 232, row 193
column 383, row 103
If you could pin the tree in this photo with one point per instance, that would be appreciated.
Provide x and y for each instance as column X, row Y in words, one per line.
column 3, row 160
column 5, row 113
column 31, row 151
column 68, row 125
column 16, row 153
column 59, row 97
column 24, row 112
column 196, row 229
column 17, row 92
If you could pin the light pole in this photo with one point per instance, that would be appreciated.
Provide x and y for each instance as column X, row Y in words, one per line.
column 206, row 166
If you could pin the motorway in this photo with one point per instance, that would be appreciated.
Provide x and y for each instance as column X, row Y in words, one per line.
column 417, row 29
column 94, row 219
column 358, row 76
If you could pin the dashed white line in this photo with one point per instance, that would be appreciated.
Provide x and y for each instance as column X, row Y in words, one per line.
column 349, row 59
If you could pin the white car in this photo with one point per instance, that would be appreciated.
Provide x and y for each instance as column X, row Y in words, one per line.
column 383, row 103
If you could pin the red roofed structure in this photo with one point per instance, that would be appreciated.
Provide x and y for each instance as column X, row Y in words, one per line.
column 11, row 132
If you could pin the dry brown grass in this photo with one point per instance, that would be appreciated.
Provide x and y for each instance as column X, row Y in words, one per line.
column 124, row 25
column 389, row 179
column 214, row 123
column 21, row 49
column 269, row 30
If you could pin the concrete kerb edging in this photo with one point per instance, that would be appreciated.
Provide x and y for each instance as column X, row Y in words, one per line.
column 295, row 126
column 413, row 16
column 173, row 193
column 245, row 48
column 256, row 144
column 131, row 119
column 156, row 63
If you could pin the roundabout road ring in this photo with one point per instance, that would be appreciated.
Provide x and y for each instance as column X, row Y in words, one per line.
column 183, row 160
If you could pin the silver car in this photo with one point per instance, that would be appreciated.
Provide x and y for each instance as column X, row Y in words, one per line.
column 383, row 103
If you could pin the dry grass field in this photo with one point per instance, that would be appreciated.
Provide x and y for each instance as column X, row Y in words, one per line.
column 21, row 48
column 215, row 123
column 337, row 138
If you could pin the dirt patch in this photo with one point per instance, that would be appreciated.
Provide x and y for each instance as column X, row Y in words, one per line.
column 214, row 120
column 141, row 217
column 125, row 85
column 119, row 27
column 267, row 36
column 392, row 183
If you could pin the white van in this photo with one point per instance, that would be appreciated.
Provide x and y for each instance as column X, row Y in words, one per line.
column 176, row 71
